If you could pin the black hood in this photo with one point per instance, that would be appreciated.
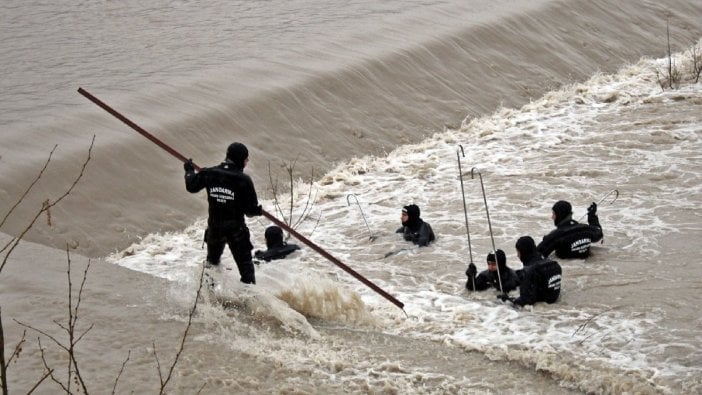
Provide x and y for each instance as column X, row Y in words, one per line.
column 412, row 215
column 563, row 211
column 527, row 249
column 274, row 236
column 237, row 154
column 501, row 259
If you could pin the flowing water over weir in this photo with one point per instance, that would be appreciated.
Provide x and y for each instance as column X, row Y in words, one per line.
column 548, row 99
column 388, row 75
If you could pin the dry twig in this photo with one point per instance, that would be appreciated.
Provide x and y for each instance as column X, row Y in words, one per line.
column 41, row 172
column 309, row 203
column 73, row 369
column 164, row 382
column 12, row 244
column 121, row 370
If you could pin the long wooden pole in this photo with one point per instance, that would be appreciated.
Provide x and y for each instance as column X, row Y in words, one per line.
column 273, row 219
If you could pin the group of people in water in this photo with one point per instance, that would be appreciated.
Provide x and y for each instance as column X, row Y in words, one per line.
column 540, row 278
column 231, row 196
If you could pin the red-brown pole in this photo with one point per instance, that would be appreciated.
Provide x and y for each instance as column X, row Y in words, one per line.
column 335, row 261
column 273, row 219
column 134, row 126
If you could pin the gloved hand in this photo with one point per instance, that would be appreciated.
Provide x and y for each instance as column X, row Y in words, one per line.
column 472, row 270
column 255, row 212
column 592, row 210
column 504, row 297
column 258, row 211
column 189, row 166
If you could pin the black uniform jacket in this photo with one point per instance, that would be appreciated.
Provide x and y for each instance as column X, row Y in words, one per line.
column 230, row 194
column 420, row 234
column 487, row 279
column 571, row 239
column 276, row 252
column 540, row 281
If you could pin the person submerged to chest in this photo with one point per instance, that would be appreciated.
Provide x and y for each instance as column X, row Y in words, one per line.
column 276, row 247
column 413, row 228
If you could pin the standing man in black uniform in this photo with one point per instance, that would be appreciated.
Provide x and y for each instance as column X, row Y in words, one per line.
column 539, row 280
column 231, row 195
column 571, row 239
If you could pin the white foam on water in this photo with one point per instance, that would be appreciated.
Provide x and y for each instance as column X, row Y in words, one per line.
column 578, row 143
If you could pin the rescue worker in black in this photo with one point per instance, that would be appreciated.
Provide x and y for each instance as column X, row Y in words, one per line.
column 539, row 280
column 413, row 228
column 571, row 239
column 488, row 278
column 230, row 195
column 277, row 248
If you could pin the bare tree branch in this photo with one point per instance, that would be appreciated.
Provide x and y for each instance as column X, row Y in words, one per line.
column 121, row 370
column 73, row 318
column 50, row 370
column 274, row 190
column 316, row 224
column 290, row 169
column 670, row 57
column 74, row 375
column 309, row 203
column 84, row 333
column 12, row 244
column 289, row 219
column 41, row 380
column 3, row 366
column 70, row 329
column 18, row 347
column 164, row 383
column 41, row 332
column 158, row 365
column 201, row 388
column 41, row 172
column 696, row 65
column 585, row 324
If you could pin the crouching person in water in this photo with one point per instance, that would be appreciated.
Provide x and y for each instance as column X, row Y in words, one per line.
column 571, row 239
column 277, row 248
column 539, row 280
column 413, row 228
column 497, row 265
column 230, row 196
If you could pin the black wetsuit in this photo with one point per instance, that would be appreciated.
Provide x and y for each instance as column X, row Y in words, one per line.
column 276, row 252
column 277, row 248
column 487, row 279
column 231, row 195
column 571, row 239
column 418, row 232
column 539, row 281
